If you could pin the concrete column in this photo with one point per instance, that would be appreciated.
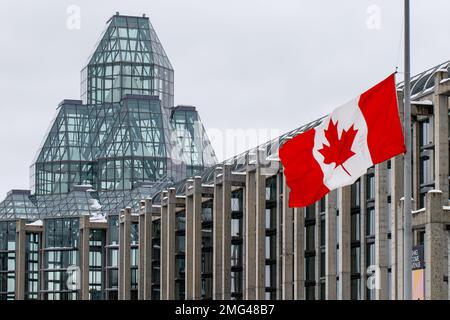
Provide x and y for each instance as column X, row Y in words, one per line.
column 344, row 244
column 399, row 250
column 279, row 239
column 163, row 246
column 362, row 232
column 381, row 229
column 124, row 254
column 217, row 237
column 170, row 264
column 84, row 257
column 189, row 230
column 448, row 255
column 435, row 247
column 441, row 145
column 20, row 260
column 397, row 218
column 287, row 257
column 441, row 137
column 250, row 236
column 197, row 240
column 330, row 246
column 226, row 233
column 299, row 253
column 260, row 218
column 317, row 250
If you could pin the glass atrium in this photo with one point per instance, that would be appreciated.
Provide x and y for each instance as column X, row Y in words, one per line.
column 123, row 140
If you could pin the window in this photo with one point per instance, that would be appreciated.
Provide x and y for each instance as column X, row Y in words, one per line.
column 322, row 205
column 235, row 204
column 388, row 177
column 310, row 212
column 425, row 137
column 206, row 254
column 96, row 265
column 322, row 264
column 322, row 230
column 236, row 228
column 310, row 238
column 270, row 218
column 370, row 254
column 7, row 260
column 271, row 239
column 310, row 268
column 180, row 221
column 310, row 293
column 370, row 222
column 426, row 170
column 355, row 260
column 370, row 261
column 207, row 211
column 32, row 266
column 355, row 289
column 355, row 227
column 370, row 192
column 60, row 256
column 356, row 194
column 236, row 284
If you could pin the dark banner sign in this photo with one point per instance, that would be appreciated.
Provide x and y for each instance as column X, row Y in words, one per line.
column 418, row 274
column 418, row 258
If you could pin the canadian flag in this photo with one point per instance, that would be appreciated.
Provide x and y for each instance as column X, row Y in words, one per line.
column 357, row 135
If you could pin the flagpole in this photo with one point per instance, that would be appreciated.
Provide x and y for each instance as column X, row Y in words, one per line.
column 407, row 230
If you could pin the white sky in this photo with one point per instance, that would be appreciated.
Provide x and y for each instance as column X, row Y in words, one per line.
column 252, row 64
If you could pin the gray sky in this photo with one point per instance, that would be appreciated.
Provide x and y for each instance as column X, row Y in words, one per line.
column 245, row 64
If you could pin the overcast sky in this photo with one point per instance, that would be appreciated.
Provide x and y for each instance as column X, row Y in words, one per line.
column 250, row 64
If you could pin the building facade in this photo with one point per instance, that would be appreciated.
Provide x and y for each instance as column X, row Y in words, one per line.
column 216, row 231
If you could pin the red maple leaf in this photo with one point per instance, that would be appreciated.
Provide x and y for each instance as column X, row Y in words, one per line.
column 339, row 150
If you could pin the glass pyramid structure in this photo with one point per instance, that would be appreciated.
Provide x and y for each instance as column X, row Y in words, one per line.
column 123, row 140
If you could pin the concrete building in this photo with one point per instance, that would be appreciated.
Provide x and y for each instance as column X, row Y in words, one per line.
column 225, row 231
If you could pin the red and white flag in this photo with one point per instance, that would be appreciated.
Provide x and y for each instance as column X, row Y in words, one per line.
column 357, row 135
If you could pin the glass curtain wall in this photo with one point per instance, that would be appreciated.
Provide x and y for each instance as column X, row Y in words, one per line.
column 310, row 252
column 322, row 263
column 33, row 244
column 134, row 256
column 61, row 259
column 426, row 158
column 96, row 264
column 7, row 259
column 180, row 251
column 355, row 238
column 207, row 250
column 196, row 148
column 370, row 227
column 112, row 254
column 271, row 238
column 156, row 259
column 237, row 211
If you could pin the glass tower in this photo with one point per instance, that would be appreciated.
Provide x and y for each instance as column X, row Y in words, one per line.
column 125, row 136
column 129, row 59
